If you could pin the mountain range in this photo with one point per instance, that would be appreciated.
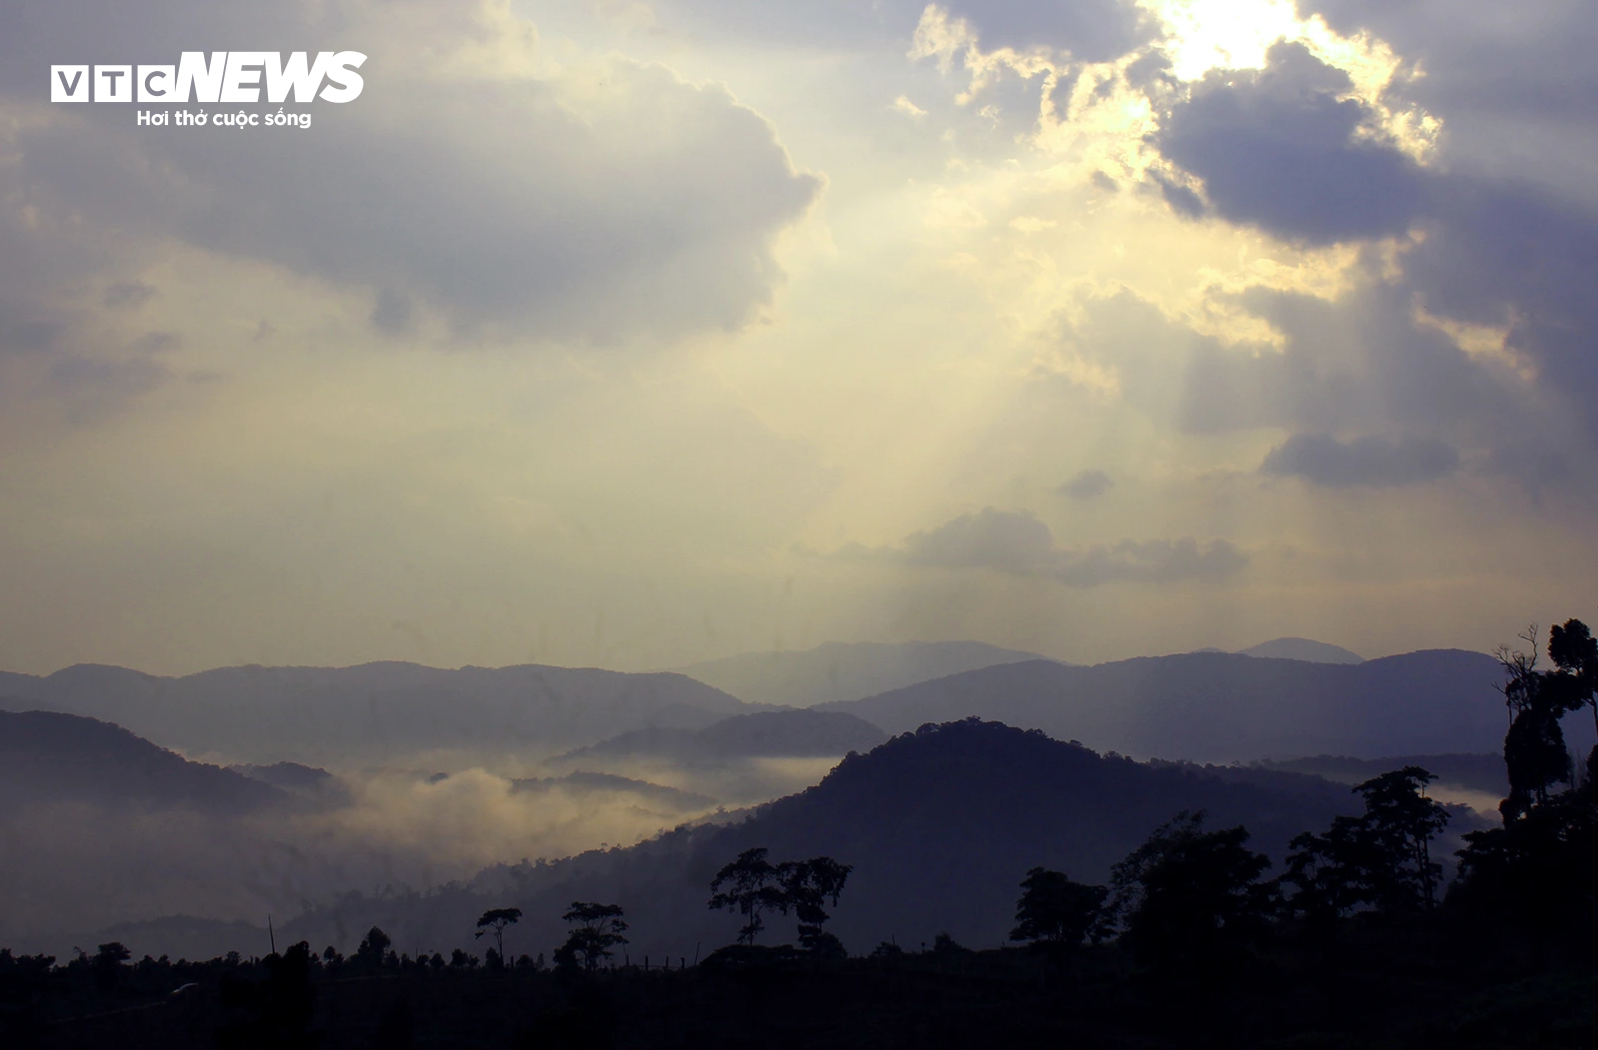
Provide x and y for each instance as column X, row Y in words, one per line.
column 765, row 734
column 839, row 671
column 374, row 713
column 1305, row 649
column 1224, row 707
column 844, row 670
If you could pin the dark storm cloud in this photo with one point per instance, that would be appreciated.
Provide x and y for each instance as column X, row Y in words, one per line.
column 1321, row 459
column 1018, row 543
column 1279, row 148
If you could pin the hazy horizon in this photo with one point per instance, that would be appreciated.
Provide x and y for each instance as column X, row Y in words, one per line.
column 683, row 668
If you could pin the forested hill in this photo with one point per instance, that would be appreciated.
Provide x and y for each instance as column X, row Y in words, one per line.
column 940, row 825
column 50, row 758
column 1225, row 707
column 374, row 713
column 764, row 734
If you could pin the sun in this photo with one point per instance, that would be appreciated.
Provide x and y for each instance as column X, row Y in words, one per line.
column 1222, row 34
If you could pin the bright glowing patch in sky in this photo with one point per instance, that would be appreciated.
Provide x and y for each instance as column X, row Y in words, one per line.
column 1223, row 34
column 1237, row 34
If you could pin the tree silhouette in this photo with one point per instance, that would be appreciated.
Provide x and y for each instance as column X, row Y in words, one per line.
column 1057, row 912
column 752, row 888
column 1330, row 872
column 374, row 949
column 108, row 960
column 112, row 955
column 494, row 921
column 1574, row 653
column 599, row 927
column 1538, row 869
column 1381, row 859
column 1401, row 822
column 276, row 1012
column 1534, row 748
column 1190, row 900
column 807, row 886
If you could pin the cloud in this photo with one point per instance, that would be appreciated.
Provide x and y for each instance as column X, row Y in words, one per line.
column 1287, row 149
column 1362, row 362
column 1153, row 561
column 1018, row 543
column 1012, row 541
column 1087, row 485
column 1292, row 150
column 1321, row 459
column 601, row 201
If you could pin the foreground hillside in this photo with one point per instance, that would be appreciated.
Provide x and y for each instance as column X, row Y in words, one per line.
column 940, row 825
column 1221, row 707
column 1387, row 996
column 375, row 713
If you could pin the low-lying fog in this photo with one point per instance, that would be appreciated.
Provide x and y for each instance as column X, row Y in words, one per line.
column 78, row 867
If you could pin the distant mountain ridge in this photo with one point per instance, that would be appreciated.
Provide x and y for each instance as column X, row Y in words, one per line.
column 764, row 734
column 1223, row 707
column 374, row 712
column 1485, row 773
column 1305, row 649
column 844, row 670
column 674, row 798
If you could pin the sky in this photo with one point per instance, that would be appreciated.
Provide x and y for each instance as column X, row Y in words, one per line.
column 627, row 334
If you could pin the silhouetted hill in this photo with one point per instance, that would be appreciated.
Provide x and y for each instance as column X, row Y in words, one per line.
column 1220, row 707
column 844, row 671
column 290, row 776
column 50, row 757
column 601, row 783
column 765, row 734
column 1485, row 773
column 1304, row 649
column 304, row 782
column 940, row 825
column 375, row 712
